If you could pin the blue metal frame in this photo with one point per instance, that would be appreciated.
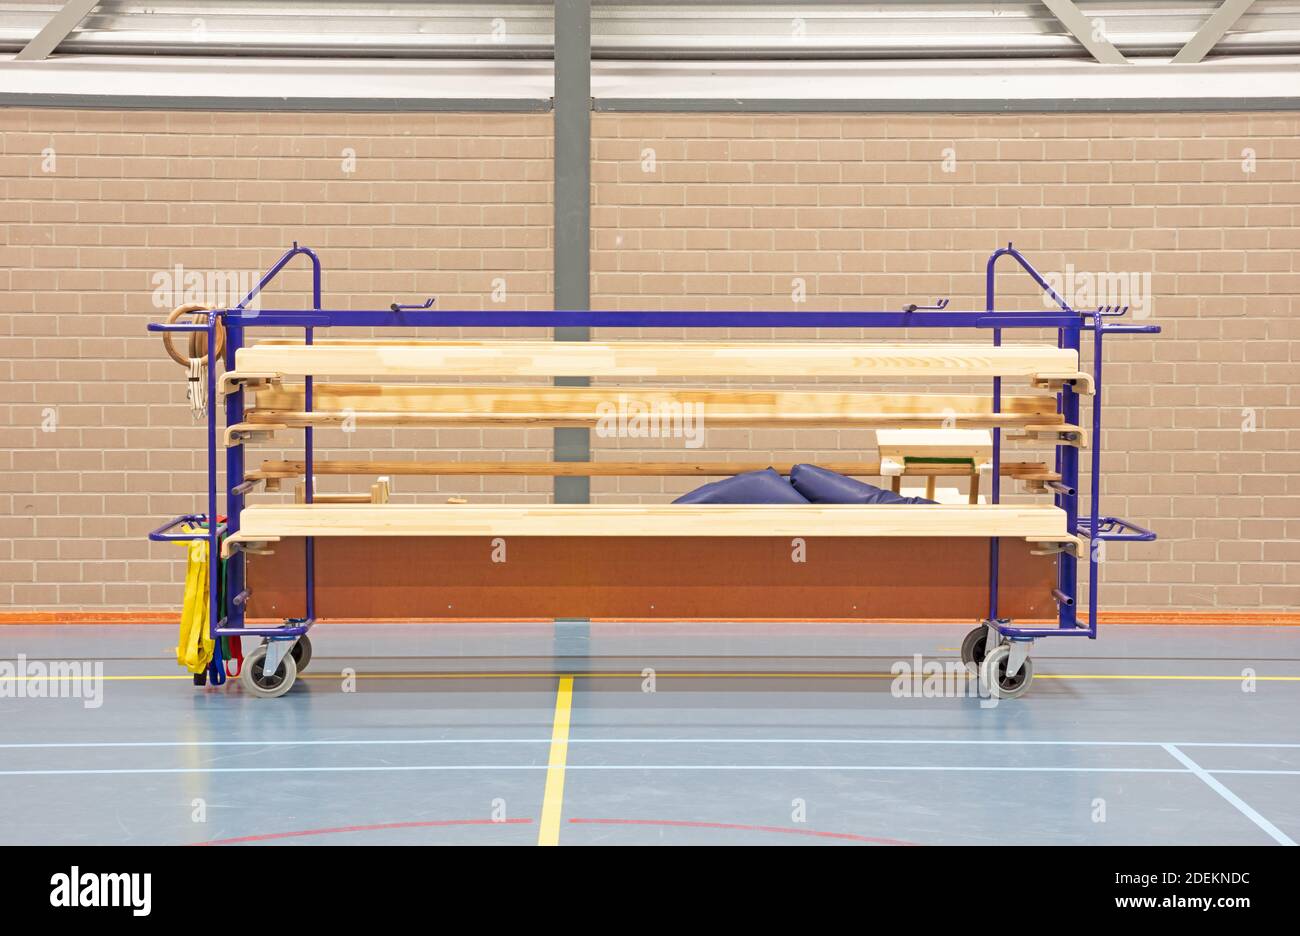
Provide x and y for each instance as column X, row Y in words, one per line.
column 1069, row 323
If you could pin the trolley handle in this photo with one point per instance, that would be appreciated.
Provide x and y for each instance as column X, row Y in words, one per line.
column 177, row 327
column 164, row 533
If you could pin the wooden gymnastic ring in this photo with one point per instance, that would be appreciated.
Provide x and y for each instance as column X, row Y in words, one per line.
column 198, row 340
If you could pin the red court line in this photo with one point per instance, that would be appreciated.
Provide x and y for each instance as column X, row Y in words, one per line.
column 686, row 824
column 364, row 828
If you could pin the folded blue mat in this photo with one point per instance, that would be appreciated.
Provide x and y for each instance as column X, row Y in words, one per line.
column 820, row 486
column 752, row 487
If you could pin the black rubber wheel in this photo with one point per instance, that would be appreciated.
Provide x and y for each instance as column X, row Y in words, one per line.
column 302, row 652
column 994, row 678
column 266, row 685
column 972, row 647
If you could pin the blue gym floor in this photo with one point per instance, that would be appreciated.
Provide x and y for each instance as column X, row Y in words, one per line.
column 460, row 734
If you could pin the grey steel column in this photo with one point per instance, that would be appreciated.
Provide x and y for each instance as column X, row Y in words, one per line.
column 572, row 166
column 572, row 211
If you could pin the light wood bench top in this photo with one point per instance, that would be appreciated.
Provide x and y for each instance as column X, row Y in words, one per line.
column 268, row 523
column 497, row 358
column 935, row 443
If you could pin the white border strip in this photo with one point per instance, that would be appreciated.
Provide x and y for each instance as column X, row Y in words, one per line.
column 1225, row 83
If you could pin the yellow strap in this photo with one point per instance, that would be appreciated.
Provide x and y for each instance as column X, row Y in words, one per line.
column 195, row 646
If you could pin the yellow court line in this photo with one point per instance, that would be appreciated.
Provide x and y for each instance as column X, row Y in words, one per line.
column 773, row 675
column 548, row 830
column 63, row 678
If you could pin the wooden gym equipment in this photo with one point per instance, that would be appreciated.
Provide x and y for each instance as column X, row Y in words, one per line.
column 361, row 556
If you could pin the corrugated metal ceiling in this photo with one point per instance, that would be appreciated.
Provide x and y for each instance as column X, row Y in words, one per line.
column 753, row 30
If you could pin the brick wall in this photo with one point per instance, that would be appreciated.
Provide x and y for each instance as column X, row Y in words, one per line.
column 399, row 207
column 689, row 212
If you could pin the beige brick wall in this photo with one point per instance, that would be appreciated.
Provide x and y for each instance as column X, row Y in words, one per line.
column 689, row 212
column 440, row 205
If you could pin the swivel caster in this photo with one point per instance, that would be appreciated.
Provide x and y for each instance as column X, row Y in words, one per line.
column 994, row 678
column 265, row 685
column 302, row 652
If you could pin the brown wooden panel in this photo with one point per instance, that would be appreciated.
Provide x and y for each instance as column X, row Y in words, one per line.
column 641, row 578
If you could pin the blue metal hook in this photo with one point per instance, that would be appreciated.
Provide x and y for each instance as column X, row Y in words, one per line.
column 411, row 307
column 939, row 305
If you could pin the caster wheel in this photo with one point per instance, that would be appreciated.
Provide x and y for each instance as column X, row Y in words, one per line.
column 972, row 648
column 268, row 685
column 302, row 652
column 993, row 674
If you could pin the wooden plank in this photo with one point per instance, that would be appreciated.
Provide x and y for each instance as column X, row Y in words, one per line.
column 289, row 469
column 496, row 358
column 650, row 578
column 582, row 402
column 264, row 522
column 406, row 404
column 670, row 425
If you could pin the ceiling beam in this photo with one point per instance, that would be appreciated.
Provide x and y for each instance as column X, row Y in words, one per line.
column 1079, row 26
column 1211, row 31
column 56, row 30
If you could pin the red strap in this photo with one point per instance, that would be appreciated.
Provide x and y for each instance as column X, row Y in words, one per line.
column 236, row 657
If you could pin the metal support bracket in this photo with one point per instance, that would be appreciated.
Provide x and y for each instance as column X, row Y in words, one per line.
column 1086, row 31
column 1211, row 31
column 240, row 433
column 1079, row 382
column 249, row 547
column 59, row 27
column 1058, row 435
column 1019, row 653
column 234, row 381
column 277, row 648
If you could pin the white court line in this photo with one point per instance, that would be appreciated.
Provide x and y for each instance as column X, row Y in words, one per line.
column 1225, row 770
column 1273, row 831
column 380, row 768
column 324, row 742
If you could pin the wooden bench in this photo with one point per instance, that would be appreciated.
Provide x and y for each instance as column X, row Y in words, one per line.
column 263, row 367
column 268, row 523
column 963, row 452
column 647, row 562
column 1036, row 362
